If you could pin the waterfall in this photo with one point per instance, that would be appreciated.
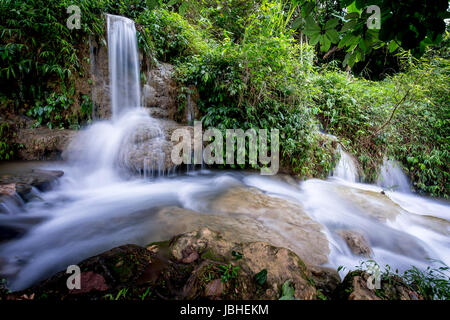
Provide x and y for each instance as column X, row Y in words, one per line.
column 392, row 177
column 346, row 168
column 132, row 141
column 123, row 64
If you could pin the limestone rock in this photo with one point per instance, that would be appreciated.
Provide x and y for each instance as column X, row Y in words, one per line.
column 357, row 242
column 296, row 230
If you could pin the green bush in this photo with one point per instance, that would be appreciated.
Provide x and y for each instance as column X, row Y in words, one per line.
column 358, row 112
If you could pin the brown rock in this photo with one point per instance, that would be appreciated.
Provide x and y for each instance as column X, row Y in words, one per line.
column 294, row 229
column 214, row 288
column 357, row 243
column 90, row 281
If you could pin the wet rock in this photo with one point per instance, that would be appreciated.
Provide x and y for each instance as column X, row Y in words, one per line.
column 8, row 233
column 149, row 148
column 8, row 190
column 281, row 264
column 42, row 143
column 325, row 279
column 90, row 281
column 358, row 285
column 357, row 242
column 160, row 91
column 295, row 229
column 214, row 288
column 40, row 179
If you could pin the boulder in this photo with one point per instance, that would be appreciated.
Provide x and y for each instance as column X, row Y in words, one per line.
column 295, row 229
column 42, row 143
column 356, row 286
column 357, row 242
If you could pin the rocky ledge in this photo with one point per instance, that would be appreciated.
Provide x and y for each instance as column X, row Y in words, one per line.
column 204, row 265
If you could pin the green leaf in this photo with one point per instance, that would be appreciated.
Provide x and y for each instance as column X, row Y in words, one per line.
column 311, row 26
column 314, row 38
column 297, row 23
column 307, row 9
column 393, row 46
column 183, row 8
column 325, row 43
column 261, row 277
column 152, row 4
column 331, row 24
column 287, row 289
column 332, row 35
column 349, row 25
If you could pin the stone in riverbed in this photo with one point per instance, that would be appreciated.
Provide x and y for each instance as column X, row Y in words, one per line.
column 295, row 230
column 357, row 242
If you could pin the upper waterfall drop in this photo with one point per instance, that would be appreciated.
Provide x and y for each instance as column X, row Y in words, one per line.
column 123, row 64
column 392, row 177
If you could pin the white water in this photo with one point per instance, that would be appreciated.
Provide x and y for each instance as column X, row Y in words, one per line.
column 123, row 64
column 97, row 205
column 346, row 168
column 392, row 177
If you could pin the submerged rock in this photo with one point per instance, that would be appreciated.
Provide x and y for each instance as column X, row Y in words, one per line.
column 16, row 187
column 295, row 229
column 357, row 242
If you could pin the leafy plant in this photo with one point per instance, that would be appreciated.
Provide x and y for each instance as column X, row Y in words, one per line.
column 261, row 277
column 229, row 272
column 287, row 291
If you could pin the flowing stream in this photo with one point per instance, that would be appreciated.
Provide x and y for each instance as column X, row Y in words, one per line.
column 98, row 205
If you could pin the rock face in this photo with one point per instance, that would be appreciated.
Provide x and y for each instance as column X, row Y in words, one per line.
column 355, row 287
column 150, row 147
column 42, row 143
column 159, row 96
column 357, row 243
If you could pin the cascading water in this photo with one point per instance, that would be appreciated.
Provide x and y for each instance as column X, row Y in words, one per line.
column 346, row 167
column 108, row 148
column 123, row 59
column 392, row 177
column 96, row 206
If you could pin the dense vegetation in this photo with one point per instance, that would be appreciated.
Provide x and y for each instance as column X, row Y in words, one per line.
column 292, row 65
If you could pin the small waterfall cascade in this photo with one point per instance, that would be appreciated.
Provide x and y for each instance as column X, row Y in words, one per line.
column 131, row 141
column 123, row 64
column 346, row 169
column 392, row 177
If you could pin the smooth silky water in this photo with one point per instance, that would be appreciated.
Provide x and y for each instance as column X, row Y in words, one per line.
column 98, row 204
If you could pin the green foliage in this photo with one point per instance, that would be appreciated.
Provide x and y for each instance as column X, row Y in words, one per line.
column 50, row 112
column 287, row 291
column 261, row 83
column 412, row 25
column 229, row 272
column 170, row 36
column 6, row 150
column 433, row 283
column 261, row 277
column 417, row 135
